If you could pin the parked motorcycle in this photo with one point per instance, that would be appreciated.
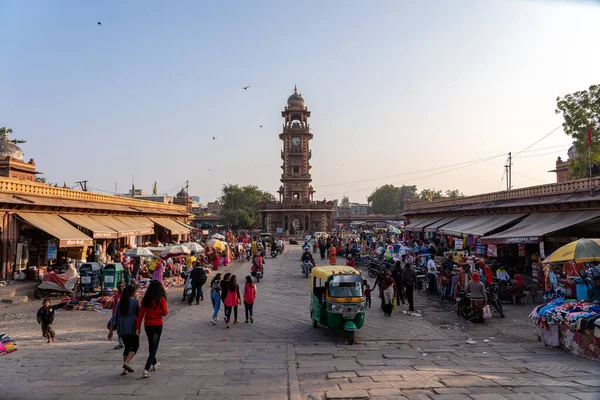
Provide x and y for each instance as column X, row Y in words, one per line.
column 307, row 267
column 493, row 298
column 375, row 267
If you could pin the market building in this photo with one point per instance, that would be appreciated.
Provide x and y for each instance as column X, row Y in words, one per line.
column 296, row 212
column 519, row 227
column 43, row 224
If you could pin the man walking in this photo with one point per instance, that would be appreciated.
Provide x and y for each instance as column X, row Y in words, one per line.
column 198, row 278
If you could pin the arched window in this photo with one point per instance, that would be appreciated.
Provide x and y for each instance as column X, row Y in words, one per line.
column 296, row 196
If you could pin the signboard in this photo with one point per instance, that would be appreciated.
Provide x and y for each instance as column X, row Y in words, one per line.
column 492, row 250
column 52, row 250
column 87, row 280
column 76, row 242
column 279, row 230
column 458, row 244
column 481, row 248
column 542, row 252
column 109, row 279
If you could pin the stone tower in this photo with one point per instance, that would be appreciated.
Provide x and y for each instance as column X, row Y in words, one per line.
column 296, row 213
column 296, row 152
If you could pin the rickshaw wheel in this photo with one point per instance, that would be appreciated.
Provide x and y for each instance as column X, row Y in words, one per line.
column 350, row 337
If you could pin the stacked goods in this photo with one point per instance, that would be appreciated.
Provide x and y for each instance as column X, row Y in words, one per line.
column 7, row 345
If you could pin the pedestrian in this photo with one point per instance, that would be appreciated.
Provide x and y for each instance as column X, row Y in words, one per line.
column 388, row 293
column 215, row 296
column 152, row 312
column 198, row 278
column 232, row 300
column 187, row 285
column 249, row 297
column 157, row 275
column 216, row 260
column 332, row 255
column 367, row 295
column 431, row 275
column 225, row 288
column 116, row 297
column 409, row 279
column 125, row 322
column 397, row 275
column 45, row 317
column 478, row 296
column 322, row 248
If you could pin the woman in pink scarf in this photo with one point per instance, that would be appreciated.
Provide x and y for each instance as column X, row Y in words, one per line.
column 157, row 275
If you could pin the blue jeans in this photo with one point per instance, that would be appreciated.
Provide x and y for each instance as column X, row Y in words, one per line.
column 153, row 333
column 215, row 297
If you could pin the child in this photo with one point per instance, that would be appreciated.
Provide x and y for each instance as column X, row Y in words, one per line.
column 368, row 295
column 249, row 297
column 45, row 317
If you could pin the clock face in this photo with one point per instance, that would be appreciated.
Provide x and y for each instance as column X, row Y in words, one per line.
column 296, row 141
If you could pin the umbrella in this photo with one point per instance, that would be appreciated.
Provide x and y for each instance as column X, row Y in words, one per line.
column 217, row 244
column 193, row 246
column 139, row 252
column 218, row 236
column 173, row 251
column 582, row 250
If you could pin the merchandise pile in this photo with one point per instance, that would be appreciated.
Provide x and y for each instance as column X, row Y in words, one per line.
column 82, row 305
column 7, row 345
column 579, row 315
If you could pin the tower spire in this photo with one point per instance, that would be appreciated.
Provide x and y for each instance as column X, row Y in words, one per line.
column 295, row 89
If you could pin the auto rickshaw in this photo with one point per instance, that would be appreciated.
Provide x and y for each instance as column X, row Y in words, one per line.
column 337, row 299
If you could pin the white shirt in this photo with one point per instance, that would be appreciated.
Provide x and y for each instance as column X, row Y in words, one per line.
column 431, row 268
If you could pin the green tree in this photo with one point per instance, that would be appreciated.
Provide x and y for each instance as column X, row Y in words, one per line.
column 241, row 205
column 386, row 200
column 453, row 194
column 430, row 194
column 7, row 131
column 580, row 110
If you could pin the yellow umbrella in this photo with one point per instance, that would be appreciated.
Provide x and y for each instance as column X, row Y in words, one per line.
column 216, row 244
column 582, row 250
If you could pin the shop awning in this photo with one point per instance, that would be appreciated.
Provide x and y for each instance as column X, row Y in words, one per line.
column 185, row 225
column 98, row 229
column 122, row 228
column 143, row 225
column 52, row 224
column 478, row 225
column 418, row 226
column 171, row 225
column 535, row 226
column 414, row 222
column 436, row 225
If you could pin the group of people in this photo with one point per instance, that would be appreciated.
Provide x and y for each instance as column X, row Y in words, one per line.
column 394, row 287
column 225, row 289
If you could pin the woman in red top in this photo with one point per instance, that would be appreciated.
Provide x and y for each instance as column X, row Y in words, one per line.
column 152, row 311
column 232, row 301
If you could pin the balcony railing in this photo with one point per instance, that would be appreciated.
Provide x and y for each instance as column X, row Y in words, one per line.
column 514, row 194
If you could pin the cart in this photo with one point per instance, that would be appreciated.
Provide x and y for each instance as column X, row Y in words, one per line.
column 89, row 274
column 111, row 275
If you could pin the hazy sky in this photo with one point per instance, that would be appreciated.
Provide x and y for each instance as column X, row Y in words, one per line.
column 395, row 87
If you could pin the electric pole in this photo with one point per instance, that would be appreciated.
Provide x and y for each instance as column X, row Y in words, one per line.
column 508, row 172
column 83, row 185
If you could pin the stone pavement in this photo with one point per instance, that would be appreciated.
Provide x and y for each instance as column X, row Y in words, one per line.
column 281, row 356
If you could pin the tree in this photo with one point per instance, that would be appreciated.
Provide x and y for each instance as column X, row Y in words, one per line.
column 7, row 131
column 581, row 110
column 385, row 200
column 453, row 194
column 241, row 205
column 41, row 179
column 430, row 194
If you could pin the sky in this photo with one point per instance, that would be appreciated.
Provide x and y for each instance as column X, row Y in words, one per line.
column 428, row 93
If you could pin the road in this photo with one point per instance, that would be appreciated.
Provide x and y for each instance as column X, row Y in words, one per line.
column 281, row 356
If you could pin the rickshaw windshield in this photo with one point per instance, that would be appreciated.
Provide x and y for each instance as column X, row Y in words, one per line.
column 346, row 286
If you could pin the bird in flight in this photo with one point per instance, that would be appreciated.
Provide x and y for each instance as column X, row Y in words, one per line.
column 213, row 138
column 99, row 23
column 246, row 87
column 261, row 126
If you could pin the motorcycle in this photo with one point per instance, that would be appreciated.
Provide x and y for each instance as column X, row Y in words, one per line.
column 257, row 271
column 493, row 298
column 307, row 267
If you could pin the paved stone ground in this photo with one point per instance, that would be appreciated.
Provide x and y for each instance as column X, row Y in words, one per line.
column 281, row 356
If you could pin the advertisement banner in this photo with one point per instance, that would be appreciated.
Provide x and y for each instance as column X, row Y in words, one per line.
column 458, row 244
column 522, row 250
column 542, row 252
column 492, row 250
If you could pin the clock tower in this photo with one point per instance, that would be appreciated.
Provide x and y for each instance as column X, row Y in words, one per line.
column 296, row 136
column 296, row 213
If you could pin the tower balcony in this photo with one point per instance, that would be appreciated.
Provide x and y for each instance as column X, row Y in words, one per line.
column 301, row 204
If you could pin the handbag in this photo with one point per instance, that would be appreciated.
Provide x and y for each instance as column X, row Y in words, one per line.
column 487, row 312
